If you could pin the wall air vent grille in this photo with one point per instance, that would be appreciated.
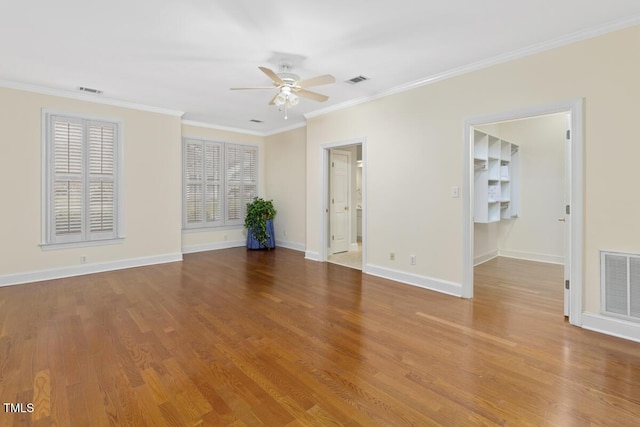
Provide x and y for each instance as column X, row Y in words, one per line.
column 90, row 90
column 620, row 284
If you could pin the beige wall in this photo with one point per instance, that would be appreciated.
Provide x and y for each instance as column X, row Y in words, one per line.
column 537, row 234
column 152, row 190
column 415, row 154
column 195, row 240
column 286, row 185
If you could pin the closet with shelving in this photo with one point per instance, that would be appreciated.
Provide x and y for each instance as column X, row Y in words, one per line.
column 496, row 168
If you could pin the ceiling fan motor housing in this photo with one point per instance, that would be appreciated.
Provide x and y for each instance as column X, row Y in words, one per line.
column 289, row 79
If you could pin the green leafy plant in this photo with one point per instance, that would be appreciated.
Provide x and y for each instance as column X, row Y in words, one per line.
column 258, row 212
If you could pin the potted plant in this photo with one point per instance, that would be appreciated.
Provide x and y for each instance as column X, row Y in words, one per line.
column 259, row 224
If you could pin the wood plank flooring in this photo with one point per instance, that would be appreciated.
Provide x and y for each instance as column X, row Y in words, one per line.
column 253, row 338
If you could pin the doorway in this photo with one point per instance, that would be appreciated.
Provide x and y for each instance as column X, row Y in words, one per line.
column 344, row 205
column 571, row 255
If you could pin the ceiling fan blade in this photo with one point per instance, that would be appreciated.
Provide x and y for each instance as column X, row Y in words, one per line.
column 312, row 95
column 248, row 88
column 317, row 81
column 272, row 102
column 272, row 75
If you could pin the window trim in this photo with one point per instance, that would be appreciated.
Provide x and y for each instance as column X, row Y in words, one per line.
column 47, row 238
column 223, row 223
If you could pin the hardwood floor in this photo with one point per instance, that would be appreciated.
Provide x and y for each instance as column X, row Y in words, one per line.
column 266, row 338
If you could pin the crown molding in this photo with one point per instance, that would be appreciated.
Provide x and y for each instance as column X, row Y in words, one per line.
column 499, row 59
column 88, row 98
column 223, row 128
column 286, row 128
column 242, row 131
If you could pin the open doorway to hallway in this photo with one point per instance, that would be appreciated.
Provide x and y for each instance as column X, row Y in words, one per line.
column 345, row 205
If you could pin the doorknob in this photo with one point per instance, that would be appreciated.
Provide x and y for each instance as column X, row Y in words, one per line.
column 561, row 219
column 346, row 208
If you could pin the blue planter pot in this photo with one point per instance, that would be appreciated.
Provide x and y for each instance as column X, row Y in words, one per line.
column 252, row 243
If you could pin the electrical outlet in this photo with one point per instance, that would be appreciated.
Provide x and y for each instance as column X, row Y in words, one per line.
column 284, row 232
column 412, row 260
column 226, row 237
column 83, row 259
column 392, row 256
column 455, row 191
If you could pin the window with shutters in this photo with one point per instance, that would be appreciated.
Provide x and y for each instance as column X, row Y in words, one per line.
column 80, row 157
column 219, row 180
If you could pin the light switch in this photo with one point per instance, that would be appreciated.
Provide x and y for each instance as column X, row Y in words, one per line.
column 455, row 191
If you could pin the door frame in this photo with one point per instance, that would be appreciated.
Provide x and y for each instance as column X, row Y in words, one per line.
column 576, row 246
column 324, row 207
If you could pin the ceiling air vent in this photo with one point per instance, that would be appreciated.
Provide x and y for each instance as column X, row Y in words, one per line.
column 90, row 90
column 357, row 79
column 256, row 121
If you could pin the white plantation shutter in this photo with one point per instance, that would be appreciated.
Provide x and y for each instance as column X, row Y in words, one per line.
column 193, row 182
column 234, row 185
column 81, row 163
column 202, row 183
column 68, row 154
column 213, row 180
column 101, row 179
column 250, row 175
column 219, row 179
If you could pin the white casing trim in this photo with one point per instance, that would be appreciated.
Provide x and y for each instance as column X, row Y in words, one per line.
column 425, row 282
column 243, row 131
column 237, row 244
column 81, row 96
column 312, row 256
column 611, row 326
column 291, row 245
column 213, row 246
column 531, row 256
column 500, row 59
column 481, row 259
column 575, row 108
column 79, row 270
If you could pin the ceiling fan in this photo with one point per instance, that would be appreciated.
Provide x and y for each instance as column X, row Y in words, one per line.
column 290, row 87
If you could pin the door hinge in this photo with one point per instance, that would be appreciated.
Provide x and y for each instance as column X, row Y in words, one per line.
column 566, row 284
column 332, row 237
column 569, row 134
column 332, row 201
column 567, row 210
column 333, row 164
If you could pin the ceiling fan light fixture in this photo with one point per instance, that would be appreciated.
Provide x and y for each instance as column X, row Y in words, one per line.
column 293, row 99
column 281, row 99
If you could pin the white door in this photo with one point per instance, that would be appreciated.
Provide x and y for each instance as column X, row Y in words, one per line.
column 339, row 197
column 566, row 219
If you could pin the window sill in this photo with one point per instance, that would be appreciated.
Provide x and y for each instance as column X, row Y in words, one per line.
column 56, row 246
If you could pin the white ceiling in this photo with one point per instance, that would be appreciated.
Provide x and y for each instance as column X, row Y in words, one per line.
column 185, row 55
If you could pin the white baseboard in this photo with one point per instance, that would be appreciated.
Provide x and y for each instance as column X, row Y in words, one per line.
column 313, row 256
column 291, row 245
column 484, row 258
column 213, row 246
column 79, row 270
column 530, row 256
column 438, row 285
column 611, row 326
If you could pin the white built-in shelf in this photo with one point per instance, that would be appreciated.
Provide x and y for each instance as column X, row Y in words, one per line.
column 496, row 167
